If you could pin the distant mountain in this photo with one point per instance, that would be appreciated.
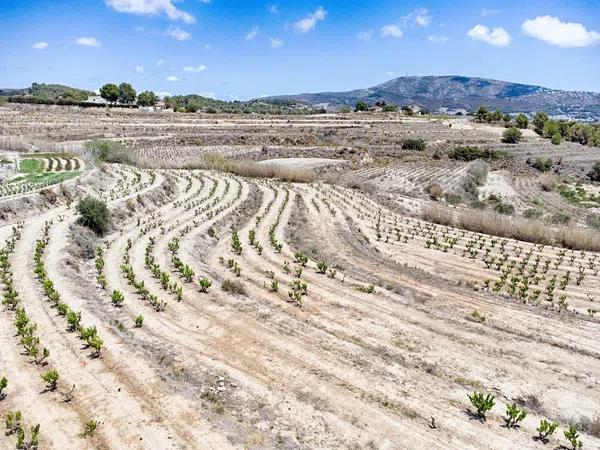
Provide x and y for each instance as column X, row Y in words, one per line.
column 454, row 93
column 49, row 92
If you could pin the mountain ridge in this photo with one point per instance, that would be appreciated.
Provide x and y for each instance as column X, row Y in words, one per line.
column 460, row 93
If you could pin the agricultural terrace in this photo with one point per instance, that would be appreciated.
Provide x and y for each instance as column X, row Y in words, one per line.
column 190, row 296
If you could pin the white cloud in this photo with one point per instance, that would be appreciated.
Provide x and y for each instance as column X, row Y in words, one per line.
column 139, row 69
column 208, row 94
column 172, row 78
column 390, row 74
column 178, row 33
column 151, row 8
column 490, row 12
column 160, row 62
column 309, row 22
column 40, row 45
column 275, row 42
column 562, row 34
column 365, row 35
column 194, row 69
column 206, row 46
column 496, row 36
column 418, row 17
column 391, row 30
column 206, row 2
column 88, row 42
column 252, row 33
column 273, row 9
column 438, row 39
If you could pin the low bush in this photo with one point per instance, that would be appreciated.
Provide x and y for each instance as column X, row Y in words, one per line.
column 543, row 165
column 413, row 144
column 469, row 153
column 512, row 135
column 94, row 214
column 560, row 218
column 233, row 287
column 434, row 190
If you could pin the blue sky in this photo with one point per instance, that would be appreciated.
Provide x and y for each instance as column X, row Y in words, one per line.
column 234, row 49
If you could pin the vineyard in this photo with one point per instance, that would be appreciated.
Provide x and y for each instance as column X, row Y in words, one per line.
column 226, row 311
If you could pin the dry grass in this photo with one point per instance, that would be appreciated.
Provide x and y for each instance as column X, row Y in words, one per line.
column 20, row 144
column 251, row 169
column 548, row 182
column 515, row 228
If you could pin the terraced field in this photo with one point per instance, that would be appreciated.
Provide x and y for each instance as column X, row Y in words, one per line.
column 222, row 311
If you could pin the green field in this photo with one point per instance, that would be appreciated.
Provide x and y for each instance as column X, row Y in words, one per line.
column 31, row 166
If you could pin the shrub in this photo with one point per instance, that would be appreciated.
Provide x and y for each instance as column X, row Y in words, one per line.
column 521, row 121
column 548, row 182
column 543, row 165
column 504, row 208
column 512, row 135
column 3, row 385
column 556, row 138
column 434, row 190
column 94, row 214
column 593, row 221
column 233, row 287
column 204, row 284
column 533, row 213
column 139, row 321
column 482, row 403
column 51, row 379
column 594, row 174
column 514, row 415
column 573, row 437
column 470, row 153
column 413, row 144
column 90, row 428
column 560, row 218
column 546, row 429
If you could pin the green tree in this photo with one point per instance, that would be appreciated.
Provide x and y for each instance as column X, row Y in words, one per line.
column 551, row 128
column 481, row 114
column 539, row 120
column 94, row 214
column 192, row 107
column 512, row 135
column 110, row 92
column 147, row 98
column 407, row 110
column 127, row 93
column 497, row 116
column 361, row 106
column 390, row 108
column 522, row 121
